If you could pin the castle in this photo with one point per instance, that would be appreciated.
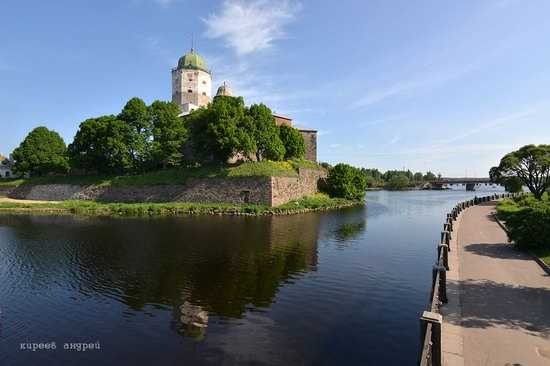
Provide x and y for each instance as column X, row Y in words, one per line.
column 192, row 89
column 6, row 165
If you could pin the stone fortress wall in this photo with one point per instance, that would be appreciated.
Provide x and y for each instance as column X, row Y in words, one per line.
column 265, row 191
column 310, row 137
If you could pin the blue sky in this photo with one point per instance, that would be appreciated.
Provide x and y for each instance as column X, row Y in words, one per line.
column 446, row 86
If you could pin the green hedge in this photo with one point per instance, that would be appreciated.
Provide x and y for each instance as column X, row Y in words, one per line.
column 527, row 221
column 530, row 227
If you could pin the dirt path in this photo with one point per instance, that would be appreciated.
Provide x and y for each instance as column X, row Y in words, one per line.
column 504, row 295
column 5, row 199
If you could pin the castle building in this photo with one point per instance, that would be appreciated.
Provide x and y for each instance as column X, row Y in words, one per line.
column 6, row 165
column 191, row 83
column 192, row 87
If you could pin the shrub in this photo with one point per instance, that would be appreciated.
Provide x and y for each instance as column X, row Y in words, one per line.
column 529, row 227
column 345, row 181
column 398, row 181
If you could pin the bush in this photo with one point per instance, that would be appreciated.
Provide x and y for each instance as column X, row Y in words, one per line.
column 529, row 227
column 345, row 181
column 398, row 181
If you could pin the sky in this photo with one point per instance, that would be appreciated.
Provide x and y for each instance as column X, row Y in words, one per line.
column 445, row 86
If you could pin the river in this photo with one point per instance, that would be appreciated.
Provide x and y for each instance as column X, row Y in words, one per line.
column 343, row 287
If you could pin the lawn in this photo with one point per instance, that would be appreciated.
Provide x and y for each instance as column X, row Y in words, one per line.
column 174, row 176
column 316, row 201
column 544, row 255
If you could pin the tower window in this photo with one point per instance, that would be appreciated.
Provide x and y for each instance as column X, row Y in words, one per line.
column 203, row 93
column 189, row 90
column 204, row 82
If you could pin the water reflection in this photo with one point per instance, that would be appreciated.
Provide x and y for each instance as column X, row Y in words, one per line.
column 342, row 287
column 200, row 269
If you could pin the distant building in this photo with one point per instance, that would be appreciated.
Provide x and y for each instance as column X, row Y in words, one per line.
column 6, row 165
column 192, row 88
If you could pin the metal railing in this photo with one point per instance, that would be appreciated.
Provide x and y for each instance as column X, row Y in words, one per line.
column 431, row 321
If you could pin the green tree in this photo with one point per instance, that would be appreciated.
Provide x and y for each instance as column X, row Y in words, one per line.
column 387, row 176
column 42, row 151
column 530, row 164
column 138, row 116
column 265, row 133
column 373, row 177
column 429, row 176
column 398, row 181
column 102, row 145
column 222, row 130
column 293, row 142
column 418, row 177
column 169, row 134
column 346, row 181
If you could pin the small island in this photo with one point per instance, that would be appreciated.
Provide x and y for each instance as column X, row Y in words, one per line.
column 190, row 155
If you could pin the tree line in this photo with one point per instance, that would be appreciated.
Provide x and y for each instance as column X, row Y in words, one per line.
column 147, row 137
column 396, row 179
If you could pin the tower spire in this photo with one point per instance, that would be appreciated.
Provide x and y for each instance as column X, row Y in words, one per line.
column 191, row 39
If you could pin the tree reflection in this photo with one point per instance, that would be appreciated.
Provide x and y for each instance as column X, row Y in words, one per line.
column 196, row 267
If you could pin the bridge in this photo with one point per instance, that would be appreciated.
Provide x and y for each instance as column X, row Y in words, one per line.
column 470, row 183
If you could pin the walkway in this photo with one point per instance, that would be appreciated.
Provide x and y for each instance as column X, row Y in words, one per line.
column 504, row 296
column 13, row 200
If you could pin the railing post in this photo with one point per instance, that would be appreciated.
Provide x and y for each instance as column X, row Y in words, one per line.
column 448, row 228
column 446, row 238
column 442, row 283
column 445, row 249
column 450, row 223
column 436, row 320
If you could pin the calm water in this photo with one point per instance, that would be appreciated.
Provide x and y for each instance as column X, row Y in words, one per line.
column 337, row 288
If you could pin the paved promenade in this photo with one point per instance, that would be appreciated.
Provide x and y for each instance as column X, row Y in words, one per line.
column 502, row 314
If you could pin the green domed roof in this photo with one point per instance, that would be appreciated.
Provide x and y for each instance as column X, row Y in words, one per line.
column 192, row 61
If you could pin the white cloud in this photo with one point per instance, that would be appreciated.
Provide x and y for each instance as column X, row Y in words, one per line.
column 334, row 146
column 383, row 120
column 413, row 86
column 395, row 139
column 517, row 118
column 250, row 26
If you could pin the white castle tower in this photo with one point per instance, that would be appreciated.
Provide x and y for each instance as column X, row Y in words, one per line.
column 191, row 83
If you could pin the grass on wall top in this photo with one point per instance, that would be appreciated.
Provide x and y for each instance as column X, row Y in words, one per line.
column 174, row 176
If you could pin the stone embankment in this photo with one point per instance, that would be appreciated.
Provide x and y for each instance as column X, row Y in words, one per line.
column 266, row 191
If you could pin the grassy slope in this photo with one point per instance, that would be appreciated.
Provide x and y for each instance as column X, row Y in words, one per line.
column 544, row 254
column 315, row 201
column 174, row 176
